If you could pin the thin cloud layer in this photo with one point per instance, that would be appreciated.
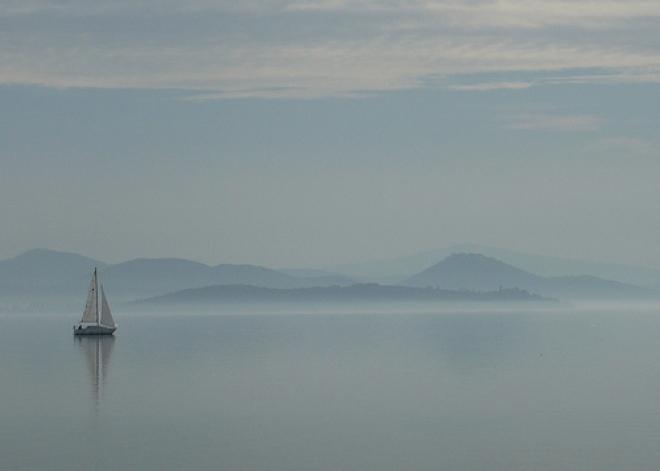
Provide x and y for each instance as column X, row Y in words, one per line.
column 317, row 48
column 556, row 123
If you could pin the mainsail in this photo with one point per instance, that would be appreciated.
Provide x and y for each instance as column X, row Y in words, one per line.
column 91, row 313
column 106, row 315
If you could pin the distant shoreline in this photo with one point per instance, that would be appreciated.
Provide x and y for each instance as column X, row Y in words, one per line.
column 354, row 293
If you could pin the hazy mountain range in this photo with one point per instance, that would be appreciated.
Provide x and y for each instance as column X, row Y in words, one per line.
column 478, row 272
column 46, row 276
column 396, row 269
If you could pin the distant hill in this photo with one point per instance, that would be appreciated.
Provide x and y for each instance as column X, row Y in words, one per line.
column 472, row 271
column 46, row 273
column 41, row 266
column 478, row 272
column 40, row 275
column 359, row 293
column 316, row 277
column 148, row 277
column 396, row 269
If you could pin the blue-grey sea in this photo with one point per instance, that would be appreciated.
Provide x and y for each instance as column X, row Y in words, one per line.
column 487, row 390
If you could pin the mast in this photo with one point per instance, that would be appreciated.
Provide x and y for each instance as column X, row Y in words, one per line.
column 98, row 317
column 96, row 297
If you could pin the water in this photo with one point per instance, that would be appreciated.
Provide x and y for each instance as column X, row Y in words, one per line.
column 563, row 390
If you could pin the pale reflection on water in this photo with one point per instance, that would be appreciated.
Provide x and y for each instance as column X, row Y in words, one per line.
column 97, row 351
column 569, row 390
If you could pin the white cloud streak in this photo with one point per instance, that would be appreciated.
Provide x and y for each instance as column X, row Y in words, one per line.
column 557, row 123
column 317, row 48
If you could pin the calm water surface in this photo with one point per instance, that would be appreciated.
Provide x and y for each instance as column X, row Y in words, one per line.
column 564, row 390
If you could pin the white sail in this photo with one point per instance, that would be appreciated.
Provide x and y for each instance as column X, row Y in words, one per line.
column 91, row 313
column 106, row 315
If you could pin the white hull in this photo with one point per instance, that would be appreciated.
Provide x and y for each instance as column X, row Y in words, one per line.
column 93, row 330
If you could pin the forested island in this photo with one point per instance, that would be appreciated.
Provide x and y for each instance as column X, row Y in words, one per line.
column 363, row 292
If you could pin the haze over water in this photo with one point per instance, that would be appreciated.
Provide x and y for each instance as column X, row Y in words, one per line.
column 489, row 390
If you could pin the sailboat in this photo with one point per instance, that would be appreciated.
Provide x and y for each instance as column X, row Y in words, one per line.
column 91, row 323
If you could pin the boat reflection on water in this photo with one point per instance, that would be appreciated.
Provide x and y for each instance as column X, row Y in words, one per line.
column 97, row 350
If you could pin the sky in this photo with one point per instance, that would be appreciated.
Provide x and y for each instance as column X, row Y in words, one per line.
column 305, row 134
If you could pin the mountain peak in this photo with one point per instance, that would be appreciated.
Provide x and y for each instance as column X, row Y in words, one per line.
column 42, row 266
column 46, row 257
column 468, row 262
column 471, row 271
